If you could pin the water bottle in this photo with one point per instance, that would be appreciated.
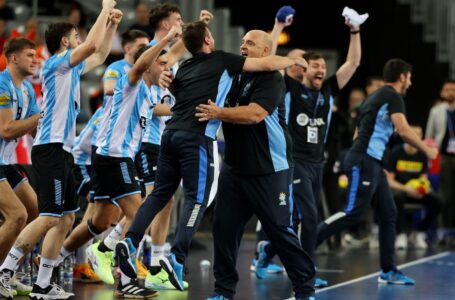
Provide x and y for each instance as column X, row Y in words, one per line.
column 167, row 249
column 27, row 279
column 147, row 254
column 68, row 270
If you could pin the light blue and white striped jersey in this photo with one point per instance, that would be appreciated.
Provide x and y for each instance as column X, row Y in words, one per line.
column 22, row 100
column 114, row 71
column 132, row 110
column 82, row 149
column 154, row 130
column 61, row 101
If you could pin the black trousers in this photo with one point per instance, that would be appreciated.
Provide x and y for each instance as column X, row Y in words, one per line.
column 267, row 196
column 367, row 186
column 183, row 155
column 307, row 188
column 433, row 207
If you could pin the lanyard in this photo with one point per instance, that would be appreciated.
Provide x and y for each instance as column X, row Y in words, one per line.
column 450, row 124
column 317, row 102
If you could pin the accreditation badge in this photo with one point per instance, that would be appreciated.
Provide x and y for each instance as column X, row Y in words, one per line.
column 451, row 145
column 312, row 135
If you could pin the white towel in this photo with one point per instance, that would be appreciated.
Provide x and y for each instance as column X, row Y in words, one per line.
column 354, row 17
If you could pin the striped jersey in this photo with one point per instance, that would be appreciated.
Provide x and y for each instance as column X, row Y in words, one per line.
column 82, row 149
column 131, row 111
column 114, row 71
column 61, row 101
column 154, row 130
column 22, row 100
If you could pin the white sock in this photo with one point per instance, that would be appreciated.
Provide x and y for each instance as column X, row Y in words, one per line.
column 112, row 239
column 45, row 272
column 81, row 257
column 139, row 248
column 63, row 254
column 157, row 254
column 10, row 262
column 124, row 279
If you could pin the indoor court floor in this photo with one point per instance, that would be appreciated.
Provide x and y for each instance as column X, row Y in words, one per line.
column 352, row 274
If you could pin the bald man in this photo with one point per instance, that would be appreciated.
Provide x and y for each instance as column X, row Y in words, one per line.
column 256, row 175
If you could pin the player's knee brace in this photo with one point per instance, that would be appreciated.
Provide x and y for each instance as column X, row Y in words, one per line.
column 92, row 229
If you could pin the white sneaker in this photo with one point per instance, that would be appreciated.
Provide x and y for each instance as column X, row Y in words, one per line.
column 5, row 284
column 420, row 240
column 401, row 241
column 52, row 291
column 19, row 287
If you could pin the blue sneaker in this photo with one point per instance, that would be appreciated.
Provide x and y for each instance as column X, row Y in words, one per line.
column 125, row 252
column 174, row 270
column 395, row 277
column 271, row 269
column 217, row 297
column 263, row 260
column 320, row 283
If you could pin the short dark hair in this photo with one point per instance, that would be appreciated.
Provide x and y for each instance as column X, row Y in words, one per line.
column 193, row 36
column 143, row 49
column 131, row 35
column 16, row 45
column 54, row 34
column 160, row 12
column 370, row 80
column 312, row 55
column 448, row 81
column 394, row 68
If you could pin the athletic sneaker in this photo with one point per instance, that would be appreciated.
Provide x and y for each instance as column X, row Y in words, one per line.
column 271, row 268
column 5, row 284
column 134, row 290
column 320, row 283
column 174, row 270
column 395, row 277
column 84, row 273
column 160, row 281
column 52, row 291
column 101, row 263
column 125, row 253
column 20, row 288
column 217, row 297
column 141, row 269
column 263, row 260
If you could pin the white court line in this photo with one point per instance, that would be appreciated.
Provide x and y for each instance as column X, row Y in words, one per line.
column 403, row 266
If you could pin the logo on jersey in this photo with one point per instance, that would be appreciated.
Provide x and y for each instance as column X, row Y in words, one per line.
column 166, row 99
column 4, row 99
column 111, row 74
column 303, row 120
column 282, row 199
column 246, row 89
column 143, row 122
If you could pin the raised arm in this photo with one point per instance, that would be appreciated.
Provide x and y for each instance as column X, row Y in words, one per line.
column 178, row 49
column 95, row 36
column 102, row 52
column 283, row 19
column 272, row 63
column 150, row 55
column 345, row 72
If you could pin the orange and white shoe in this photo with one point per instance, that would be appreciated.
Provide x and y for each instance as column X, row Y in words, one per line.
column 141, row 269
column 84, row 273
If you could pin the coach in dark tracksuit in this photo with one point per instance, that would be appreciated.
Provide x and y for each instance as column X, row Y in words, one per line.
column 380, row 113
column 255, row 177
column 186, row 145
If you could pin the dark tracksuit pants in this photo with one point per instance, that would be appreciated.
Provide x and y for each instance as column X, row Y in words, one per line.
column 307, row 187
column 367, row 186
column 267, row 196
column 186, row 155
column 433, row 207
